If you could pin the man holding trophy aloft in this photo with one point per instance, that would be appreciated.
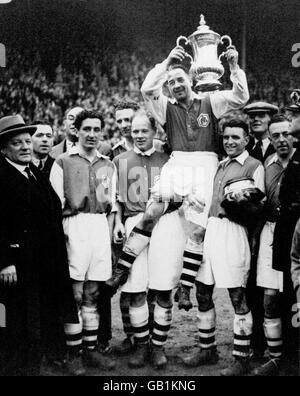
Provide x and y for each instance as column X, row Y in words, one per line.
column 191, row 124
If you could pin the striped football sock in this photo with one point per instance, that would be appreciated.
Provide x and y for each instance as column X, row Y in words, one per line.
column 128, row 329
column 207, row 328
column 162, row 324
column 139, row 317
column 273, row 334
column 90, row 319
column 192, row 259
column 135, row 244
column 242, row 335
column 73, row 334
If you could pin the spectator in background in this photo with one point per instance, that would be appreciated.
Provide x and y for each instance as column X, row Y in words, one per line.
column 124, row 113
column 260, row 114
column 71, row 138
column 42, row 143
column 289, row 214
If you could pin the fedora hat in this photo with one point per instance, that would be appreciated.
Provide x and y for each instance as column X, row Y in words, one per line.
column 11, row 125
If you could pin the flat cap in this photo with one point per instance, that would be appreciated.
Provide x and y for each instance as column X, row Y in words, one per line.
column 261, row 107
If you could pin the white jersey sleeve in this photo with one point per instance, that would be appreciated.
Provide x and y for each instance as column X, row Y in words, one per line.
column 152, row 92
column 234, row 99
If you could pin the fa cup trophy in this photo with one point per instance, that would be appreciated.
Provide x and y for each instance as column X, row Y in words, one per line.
column 206, row 64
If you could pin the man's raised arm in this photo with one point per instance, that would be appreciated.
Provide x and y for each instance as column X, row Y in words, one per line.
column 151, row 89
column 224, row 101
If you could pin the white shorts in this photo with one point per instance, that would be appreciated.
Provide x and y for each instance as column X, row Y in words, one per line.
column 267, row 277
column 138, row 278
column 161, row 268
column 166, row 250
column 226, row 261
column 186, row 173
column 88, row 245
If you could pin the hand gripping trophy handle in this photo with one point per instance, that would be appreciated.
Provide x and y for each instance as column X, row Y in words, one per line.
column 186, row 43
column 230, row 46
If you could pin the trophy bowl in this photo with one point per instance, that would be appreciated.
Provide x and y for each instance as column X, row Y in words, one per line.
column 206, row 66
column 245, row 211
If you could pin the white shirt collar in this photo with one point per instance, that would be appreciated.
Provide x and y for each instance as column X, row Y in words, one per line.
column 36, row 161
column 20, row 168
column 265, row 143
column 272, row 160
column 240, row 158
column 275, row 158
column 70, row 145
column 147, row 153
column 75, row 151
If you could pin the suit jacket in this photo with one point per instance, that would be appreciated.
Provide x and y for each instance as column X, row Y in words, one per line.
column 59, row 149
column 250, row 148
column 32, row 239
column 289, row 197
column 47, row 167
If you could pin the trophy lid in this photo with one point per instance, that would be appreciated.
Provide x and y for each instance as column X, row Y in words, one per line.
column 204, row 31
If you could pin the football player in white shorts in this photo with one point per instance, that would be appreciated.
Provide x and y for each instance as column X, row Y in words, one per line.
column 227, row 252
column 85, row 181
column 267, row 277
column 158, row 267
column 190, row 121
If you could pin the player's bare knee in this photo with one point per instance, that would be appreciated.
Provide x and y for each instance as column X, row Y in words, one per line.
column 238, row 300
column 78, row 293
column 164, row 298
column 125, row 300
column 204, row 298
column 271, row 304
column 91, row 294
column 138, row 299
column 197, row 235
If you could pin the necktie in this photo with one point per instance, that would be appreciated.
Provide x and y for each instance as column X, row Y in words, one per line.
column 40, row 165
column 30, row 175
column 257, row 151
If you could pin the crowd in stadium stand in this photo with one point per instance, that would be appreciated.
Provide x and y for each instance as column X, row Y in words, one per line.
column 96, row 79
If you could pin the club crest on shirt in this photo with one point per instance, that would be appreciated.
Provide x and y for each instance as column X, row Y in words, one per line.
column 203, row 120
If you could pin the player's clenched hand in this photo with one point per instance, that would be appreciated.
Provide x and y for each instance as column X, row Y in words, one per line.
column 177, row 54
column 119, row 233
column 232, row 57
column 8, row 276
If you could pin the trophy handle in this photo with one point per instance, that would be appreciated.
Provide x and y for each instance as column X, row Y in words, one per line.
column 186, row 42
column 228, row 39
column 230, row 46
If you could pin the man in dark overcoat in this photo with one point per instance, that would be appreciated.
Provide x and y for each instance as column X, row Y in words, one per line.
column 35, row 286
column 289, row 197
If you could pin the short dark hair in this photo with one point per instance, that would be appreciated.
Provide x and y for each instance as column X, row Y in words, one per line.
column 83, row 115
column 235, row 123
column 144, row 113
column 127, row 104
column 179, row 66
column 277, row 118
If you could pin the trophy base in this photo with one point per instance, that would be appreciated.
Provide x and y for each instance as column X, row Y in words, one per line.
column 207, row 86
